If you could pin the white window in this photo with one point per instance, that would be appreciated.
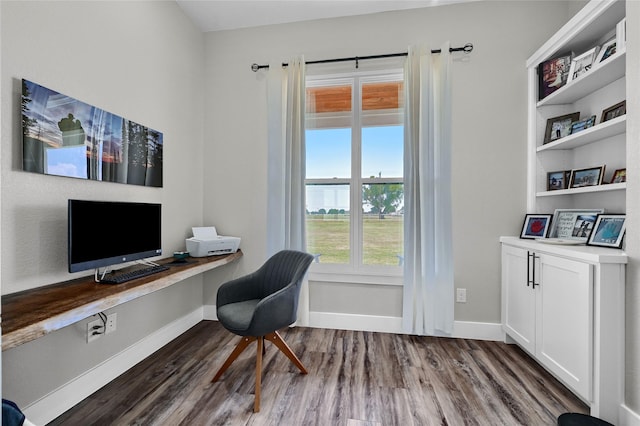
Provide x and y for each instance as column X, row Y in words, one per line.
column 354, row 173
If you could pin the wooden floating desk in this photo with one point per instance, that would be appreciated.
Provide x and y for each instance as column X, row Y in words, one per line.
column 30, row 314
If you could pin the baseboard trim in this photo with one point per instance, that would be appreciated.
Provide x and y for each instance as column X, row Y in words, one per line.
column 384, row 324
column 478, row 330
column 60, row 400
column 355, row 322
column 209, row 312
column 628, row 417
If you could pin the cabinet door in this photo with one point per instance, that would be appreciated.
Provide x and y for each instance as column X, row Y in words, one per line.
column 518, row 297
column 564, row 327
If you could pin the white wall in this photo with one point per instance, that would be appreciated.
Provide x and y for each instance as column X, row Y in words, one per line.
column 632, row 383
column 489, row 122
column 143, row 61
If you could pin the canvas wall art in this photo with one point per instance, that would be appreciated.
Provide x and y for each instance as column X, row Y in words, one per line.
column 63, row 136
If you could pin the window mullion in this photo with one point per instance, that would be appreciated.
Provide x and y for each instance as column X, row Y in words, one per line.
column 356, row 174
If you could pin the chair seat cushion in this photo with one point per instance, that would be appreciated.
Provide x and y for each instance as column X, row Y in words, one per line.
column 236, row 317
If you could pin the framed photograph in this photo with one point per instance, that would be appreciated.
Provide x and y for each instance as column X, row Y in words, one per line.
column 606, row 51
column 583, row 124
column 558, row 180
column 553, row 74
column 586, row 177
column 536, row 226
column 614, row 111
column 573, row 224
column 559, row 127
column 619, row 176
column 608, row 231
column 583, row 63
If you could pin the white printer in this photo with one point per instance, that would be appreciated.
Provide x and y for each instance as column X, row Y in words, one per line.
column 207, row 242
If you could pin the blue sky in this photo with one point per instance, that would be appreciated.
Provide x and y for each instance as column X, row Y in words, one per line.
column 329, row 152
column 329, row 156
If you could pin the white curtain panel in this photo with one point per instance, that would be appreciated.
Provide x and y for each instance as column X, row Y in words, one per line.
column 286, row 168
column 428, row 268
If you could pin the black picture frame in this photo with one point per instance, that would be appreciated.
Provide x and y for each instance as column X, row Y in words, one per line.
column 559, row 127
column 536, row 226
column 553, row 74
column 608, row 231
column 614, row 111
column 558, row 180
column 591, row 176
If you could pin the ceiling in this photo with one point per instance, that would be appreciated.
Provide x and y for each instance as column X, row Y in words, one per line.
column 216, row 15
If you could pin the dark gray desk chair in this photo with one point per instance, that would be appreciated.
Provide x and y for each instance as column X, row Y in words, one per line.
column 257, row 305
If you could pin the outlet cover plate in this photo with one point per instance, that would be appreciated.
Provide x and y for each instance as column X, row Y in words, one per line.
column 91, row 329
column 111, row 323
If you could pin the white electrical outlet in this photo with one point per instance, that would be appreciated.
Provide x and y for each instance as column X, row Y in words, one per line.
column 461, row 295
column 111, row 323
column 95, row 329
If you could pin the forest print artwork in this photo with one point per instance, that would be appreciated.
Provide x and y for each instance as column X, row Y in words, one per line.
column 65, row 137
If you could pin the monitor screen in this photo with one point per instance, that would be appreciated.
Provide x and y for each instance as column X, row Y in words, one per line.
column 105, row 233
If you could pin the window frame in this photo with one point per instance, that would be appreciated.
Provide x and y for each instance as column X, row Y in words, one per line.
column 355, row 271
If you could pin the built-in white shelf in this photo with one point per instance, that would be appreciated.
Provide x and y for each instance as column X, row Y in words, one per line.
column 599, row 76
column 598, row 88
column 605, row 143
column 596, row 133
column 585, row 189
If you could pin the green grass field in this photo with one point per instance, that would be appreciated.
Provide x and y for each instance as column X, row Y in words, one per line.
column 329, row 236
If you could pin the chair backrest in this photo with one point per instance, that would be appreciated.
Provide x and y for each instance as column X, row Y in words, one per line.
column 276, row 284
column 283, row 268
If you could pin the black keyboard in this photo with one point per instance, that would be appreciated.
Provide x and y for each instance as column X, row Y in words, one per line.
column 121, row 277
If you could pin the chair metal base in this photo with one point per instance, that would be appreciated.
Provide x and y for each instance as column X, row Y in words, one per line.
column 274, row 338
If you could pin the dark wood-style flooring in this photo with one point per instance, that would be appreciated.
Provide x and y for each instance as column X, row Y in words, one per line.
column 355, row 379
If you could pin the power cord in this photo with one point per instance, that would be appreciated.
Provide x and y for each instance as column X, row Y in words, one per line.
column 95, row 328
column 97, row 272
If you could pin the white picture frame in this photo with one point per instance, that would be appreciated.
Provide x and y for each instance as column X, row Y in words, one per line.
column 582, row 63
column 569, row 224
column 607, row 50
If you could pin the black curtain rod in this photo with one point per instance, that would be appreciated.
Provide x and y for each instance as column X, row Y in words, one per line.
column 467, row 48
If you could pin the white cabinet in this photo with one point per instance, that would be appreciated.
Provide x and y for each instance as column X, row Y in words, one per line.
column 565, row 306
column 547, row 310
column 518, row 297
column 564, row 320
column 603, row 86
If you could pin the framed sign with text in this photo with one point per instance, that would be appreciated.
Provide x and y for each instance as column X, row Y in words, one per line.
column 574, row 224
